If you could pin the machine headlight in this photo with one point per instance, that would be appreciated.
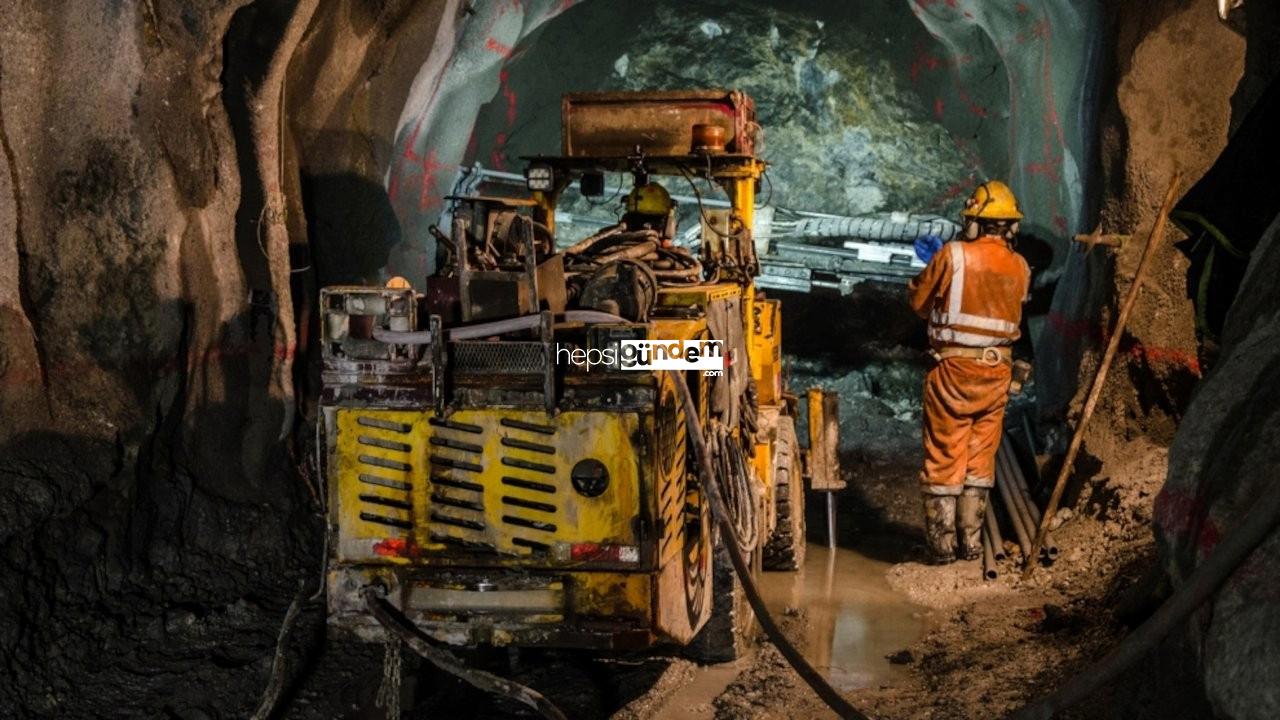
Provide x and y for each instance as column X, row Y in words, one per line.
column 590, row 477
column 539, row 178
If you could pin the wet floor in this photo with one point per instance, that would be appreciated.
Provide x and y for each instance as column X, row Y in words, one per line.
column 853, row 618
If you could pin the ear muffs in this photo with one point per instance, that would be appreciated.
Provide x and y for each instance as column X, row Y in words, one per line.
column 1014, row 228
column 971, row 230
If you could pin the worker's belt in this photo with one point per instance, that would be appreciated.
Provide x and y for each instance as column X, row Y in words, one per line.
column 993, row 355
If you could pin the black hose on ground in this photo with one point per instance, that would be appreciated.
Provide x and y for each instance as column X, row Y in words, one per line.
column 720, row 516
column 394, row 621
column 1204, row 582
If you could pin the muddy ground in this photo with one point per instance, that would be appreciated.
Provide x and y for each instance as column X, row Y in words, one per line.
column 985, row 648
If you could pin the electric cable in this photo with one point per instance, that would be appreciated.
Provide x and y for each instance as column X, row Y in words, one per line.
column 720, row 516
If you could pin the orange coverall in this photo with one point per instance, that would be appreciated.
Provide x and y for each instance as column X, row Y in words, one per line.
column 972, row 294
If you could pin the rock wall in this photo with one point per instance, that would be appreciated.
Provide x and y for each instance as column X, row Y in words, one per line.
column 1223, row 458
column 154, row 514
column 1175, row 69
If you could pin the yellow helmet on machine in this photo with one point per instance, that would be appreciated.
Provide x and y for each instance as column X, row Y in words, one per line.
column 992, row 200
column 649, row 199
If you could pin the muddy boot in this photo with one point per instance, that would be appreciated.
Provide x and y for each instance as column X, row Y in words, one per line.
column 940, row 527
column 971, row 511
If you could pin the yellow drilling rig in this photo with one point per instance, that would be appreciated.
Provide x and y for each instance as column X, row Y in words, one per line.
column 507, row 458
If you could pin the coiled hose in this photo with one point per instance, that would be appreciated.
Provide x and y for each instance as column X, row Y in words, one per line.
column 720, row 515
column 670, row 265
column 739, row 491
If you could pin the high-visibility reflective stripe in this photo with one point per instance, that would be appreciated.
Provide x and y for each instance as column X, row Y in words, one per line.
column 967, row 339
column 956, row 294
column 973, row 321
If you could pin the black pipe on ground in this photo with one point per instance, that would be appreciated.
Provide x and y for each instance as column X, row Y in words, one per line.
column 1022, row 494
column 989, row 571
column 992, row 527
column 1015, row 517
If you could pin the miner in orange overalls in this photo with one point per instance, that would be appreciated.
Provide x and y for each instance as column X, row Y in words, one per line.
column 971, row 292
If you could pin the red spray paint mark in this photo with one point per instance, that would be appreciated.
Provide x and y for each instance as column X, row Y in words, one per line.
column 938, row 108
column 430, row 165
column 925, row 61
column 397, row 547
column 1075, row 330
column 509, row 95
column 412, row 142
column 497, row 159
column 1179, row 514
column 502, row 49
column 1166, row 356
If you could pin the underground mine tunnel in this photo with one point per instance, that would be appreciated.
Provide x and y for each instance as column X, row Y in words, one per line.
column 604, row 359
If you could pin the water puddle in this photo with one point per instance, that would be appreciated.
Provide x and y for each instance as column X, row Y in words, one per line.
column 853, row 619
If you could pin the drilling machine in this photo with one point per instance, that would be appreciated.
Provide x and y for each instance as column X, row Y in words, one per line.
column 506, row 471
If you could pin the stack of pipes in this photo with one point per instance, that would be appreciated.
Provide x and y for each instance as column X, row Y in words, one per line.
column 1018, row 507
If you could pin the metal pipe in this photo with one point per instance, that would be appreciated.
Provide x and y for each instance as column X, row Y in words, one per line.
column 527, row 322
column 989, row 571
column 831, row 520
column 1049, row 549
column 993, row 531
column 1024, row 539
column 1019, row 502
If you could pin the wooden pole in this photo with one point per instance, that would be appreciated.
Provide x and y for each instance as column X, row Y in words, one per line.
column 1095, row 391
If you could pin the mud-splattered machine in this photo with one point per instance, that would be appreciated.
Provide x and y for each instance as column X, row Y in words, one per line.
column 500, row 457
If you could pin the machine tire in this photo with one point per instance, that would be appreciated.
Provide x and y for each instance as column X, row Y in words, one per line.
column 731, row 630
column 786, row 545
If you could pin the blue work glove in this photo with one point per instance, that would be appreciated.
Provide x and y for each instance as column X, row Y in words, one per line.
column 927, row 247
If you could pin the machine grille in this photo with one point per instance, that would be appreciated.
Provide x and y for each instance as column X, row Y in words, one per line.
column 385, row 468
column 532, row 521
column 501, row 358
column 457, row 495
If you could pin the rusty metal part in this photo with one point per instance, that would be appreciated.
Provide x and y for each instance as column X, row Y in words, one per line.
column 657, row 123
column 1099, row 380
column 708, row 138
column 626, row 288
column 1089, row 240
column 823, row 462
column 396, row 623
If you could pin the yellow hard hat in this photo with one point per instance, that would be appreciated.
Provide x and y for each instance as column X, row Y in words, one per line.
column 992, row 200
column 649, row 199
column 398, row 283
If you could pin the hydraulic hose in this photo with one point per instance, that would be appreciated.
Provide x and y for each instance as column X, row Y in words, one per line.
column 720, row 515
column 397, row 624
column 1204, row 582
column 493, row 327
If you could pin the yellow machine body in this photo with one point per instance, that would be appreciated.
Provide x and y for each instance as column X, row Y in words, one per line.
column 469, row 515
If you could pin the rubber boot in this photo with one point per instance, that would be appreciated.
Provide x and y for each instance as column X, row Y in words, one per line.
column 940, row 527
column 971, row 512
